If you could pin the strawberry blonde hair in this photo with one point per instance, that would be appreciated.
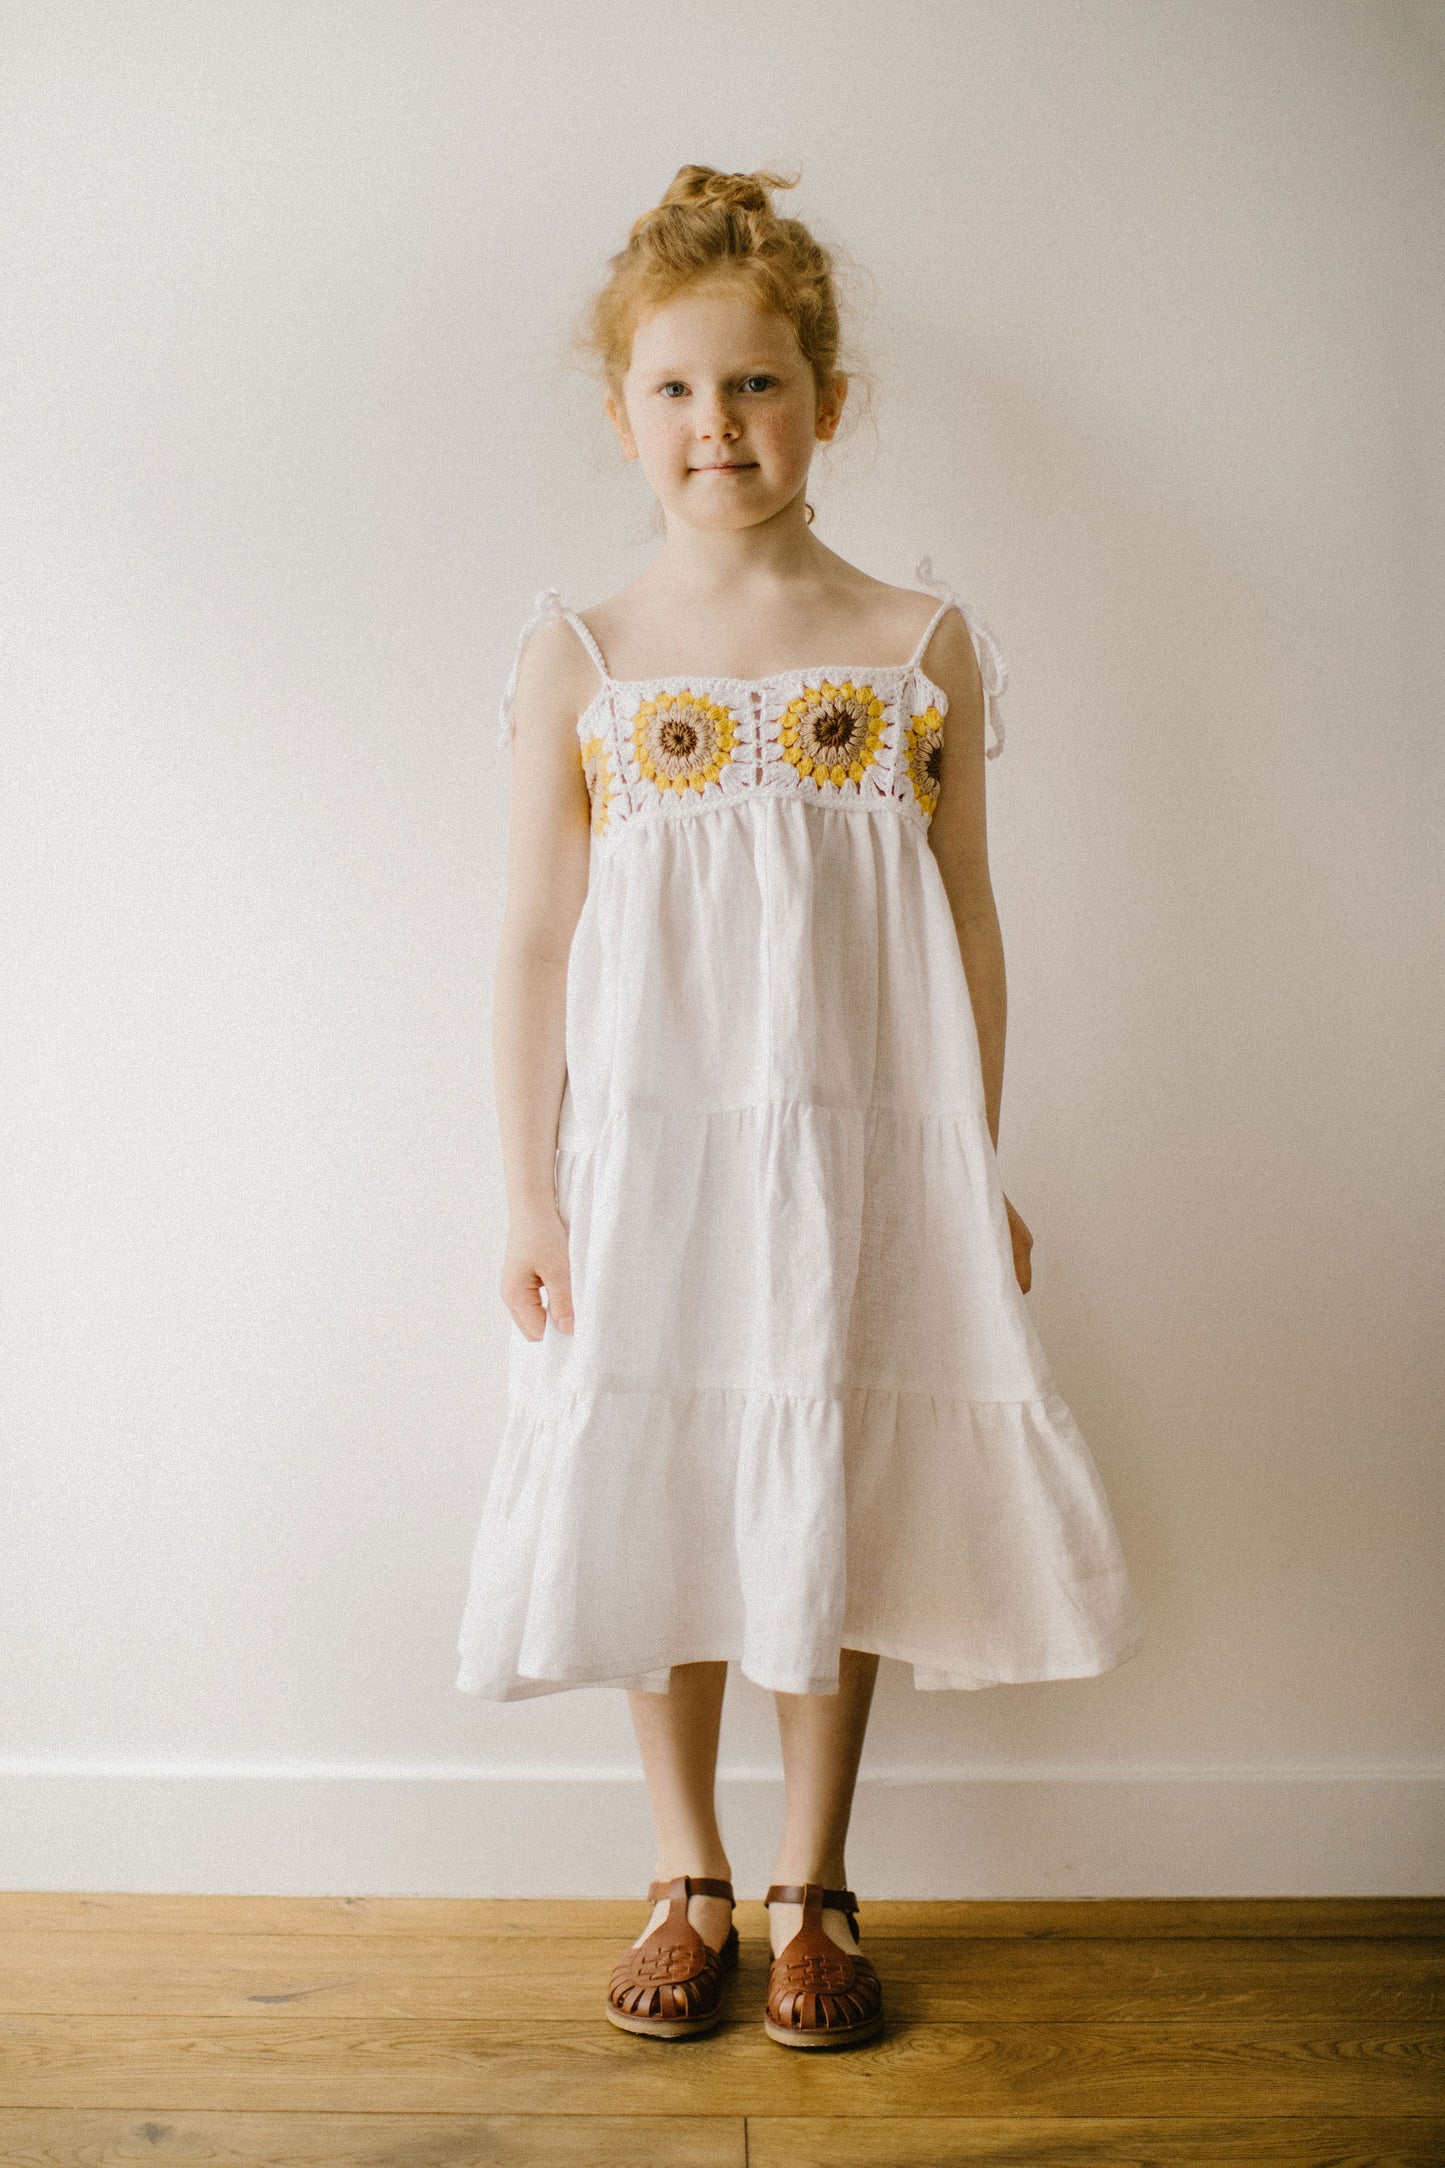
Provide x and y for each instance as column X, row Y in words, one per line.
column 712, row 225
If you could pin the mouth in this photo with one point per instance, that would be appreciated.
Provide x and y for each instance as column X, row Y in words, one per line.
column 726, row 466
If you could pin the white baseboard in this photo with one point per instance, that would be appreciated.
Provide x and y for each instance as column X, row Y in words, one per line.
column 307, row 1829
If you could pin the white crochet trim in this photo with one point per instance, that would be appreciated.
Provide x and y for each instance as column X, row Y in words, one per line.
column 991, row 666
column 993, row 670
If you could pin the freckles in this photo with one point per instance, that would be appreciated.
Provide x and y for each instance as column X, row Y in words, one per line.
column 791, row 443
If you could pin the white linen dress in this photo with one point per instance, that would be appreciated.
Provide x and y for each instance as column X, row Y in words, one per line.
column 804, row 1406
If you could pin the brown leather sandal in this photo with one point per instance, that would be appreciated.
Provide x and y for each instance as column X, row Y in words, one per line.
column 820, row 1996
column 671, row 1984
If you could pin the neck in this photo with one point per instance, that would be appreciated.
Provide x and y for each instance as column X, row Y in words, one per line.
column 703, row 561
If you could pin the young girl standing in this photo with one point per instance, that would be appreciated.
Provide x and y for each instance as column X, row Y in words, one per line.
column 784, row 1404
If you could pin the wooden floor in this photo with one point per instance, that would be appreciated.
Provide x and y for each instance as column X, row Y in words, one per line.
column 414, row 2033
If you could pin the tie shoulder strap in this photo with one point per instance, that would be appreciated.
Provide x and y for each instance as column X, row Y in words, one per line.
column 548, row 604
column 992, row 668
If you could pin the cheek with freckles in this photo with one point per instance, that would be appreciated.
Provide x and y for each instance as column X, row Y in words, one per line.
column 788, row 442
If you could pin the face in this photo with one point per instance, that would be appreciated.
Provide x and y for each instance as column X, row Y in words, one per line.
column 721, row 409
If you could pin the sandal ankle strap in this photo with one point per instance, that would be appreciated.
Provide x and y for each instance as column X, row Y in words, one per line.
column 796, row 1893
column 691, row 1885
column 814, row 1898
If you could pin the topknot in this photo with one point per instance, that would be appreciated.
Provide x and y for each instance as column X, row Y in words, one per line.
column 704, row 184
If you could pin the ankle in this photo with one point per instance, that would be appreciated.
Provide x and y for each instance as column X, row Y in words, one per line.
column 825, row 1876
column 717, row 1871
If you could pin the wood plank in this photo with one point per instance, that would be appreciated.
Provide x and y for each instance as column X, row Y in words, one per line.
column 105, row 2138
column 487, row 1978
column 306, row 2061
column 1088, row 2142
column 1110, row 1918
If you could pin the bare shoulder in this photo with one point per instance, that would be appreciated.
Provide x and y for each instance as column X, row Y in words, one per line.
column 617, row 619
column 949, row 659
column 914, row 609
column 556, row 678
column 895, row 617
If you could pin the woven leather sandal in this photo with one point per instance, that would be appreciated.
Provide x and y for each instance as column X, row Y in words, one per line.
column 820, row 1996
column 671, row 1985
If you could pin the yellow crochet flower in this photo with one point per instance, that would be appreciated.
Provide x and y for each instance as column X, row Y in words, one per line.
column 597, row 768
column 831, row 732
column 683, row 741
column 923, row 757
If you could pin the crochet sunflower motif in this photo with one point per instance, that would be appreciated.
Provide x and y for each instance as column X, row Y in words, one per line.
column 831, row 732
column 683, row 741
column 923, row 757
column 597, row 768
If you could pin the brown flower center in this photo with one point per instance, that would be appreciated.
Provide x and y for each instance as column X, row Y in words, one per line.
column 836, row 727
column 677, row 737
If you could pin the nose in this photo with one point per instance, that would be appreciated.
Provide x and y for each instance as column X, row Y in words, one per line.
column 716, row 420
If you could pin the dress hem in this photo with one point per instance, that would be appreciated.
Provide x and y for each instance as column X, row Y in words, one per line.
column 928, row 1677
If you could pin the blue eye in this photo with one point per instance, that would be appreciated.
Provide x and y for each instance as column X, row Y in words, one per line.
column 676, row 384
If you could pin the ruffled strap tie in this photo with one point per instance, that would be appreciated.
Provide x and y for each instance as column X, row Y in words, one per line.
column 992, row 668
column 548, row 604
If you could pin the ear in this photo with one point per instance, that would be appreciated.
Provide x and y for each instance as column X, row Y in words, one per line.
column 617, row 415
column 830, row 409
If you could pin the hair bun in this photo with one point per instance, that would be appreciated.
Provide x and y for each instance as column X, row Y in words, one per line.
column 733, row 191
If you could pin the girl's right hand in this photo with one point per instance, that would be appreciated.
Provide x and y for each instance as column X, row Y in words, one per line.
column 536, row 1258
column 1023, row 1243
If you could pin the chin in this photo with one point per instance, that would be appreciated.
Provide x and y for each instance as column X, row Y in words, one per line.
column 733, row 504
column 725, row 525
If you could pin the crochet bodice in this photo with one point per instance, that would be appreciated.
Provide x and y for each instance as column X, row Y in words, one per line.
column 859, row 738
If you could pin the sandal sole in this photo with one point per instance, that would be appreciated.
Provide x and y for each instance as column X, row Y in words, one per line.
column 660, row 2028
column 834, row 2037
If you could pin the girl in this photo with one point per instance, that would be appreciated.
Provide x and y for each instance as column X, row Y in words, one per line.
column 784, row 1403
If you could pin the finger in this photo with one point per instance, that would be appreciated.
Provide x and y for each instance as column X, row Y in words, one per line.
column 526, row 1309
column 559, row 1300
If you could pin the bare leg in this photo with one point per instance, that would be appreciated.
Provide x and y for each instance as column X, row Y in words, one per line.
column 677, row 1734
column 822, row 1740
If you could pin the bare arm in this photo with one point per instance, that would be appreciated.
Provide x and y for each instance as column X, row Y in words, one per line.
column 958, row 837
column 548, row 854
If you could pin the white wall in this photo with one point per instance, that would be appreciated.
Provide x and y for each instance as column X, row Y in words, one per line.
column 288, row 445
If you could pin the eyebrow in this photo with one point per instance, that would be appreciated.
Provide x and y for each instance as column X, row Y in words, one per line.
column 744, row 368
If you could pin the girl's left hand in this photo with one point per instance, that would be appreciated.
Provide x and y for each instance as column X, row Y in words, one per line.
column 1023, row 1242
